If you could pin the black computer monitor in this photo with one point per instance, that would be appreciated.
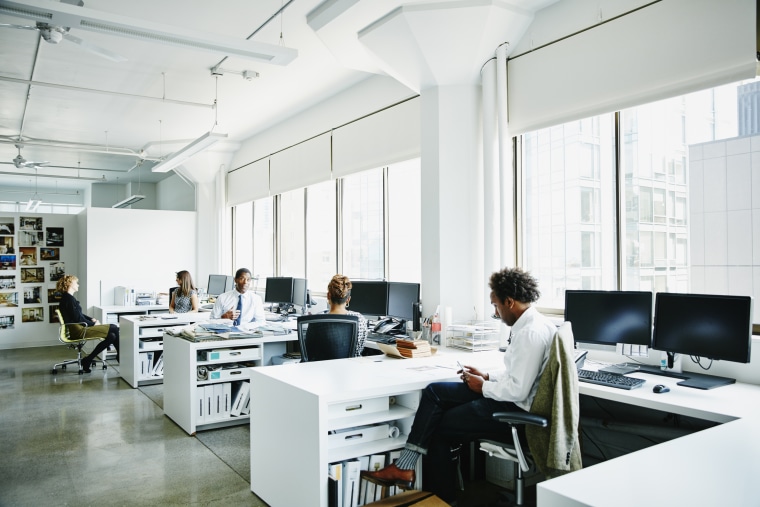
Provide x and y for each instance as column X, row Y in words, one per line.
column 369, row 297
column 300, row 293
column 219, row 284
column 704, row 325
column 279, row 290
column 610, row 317
column 402, row 297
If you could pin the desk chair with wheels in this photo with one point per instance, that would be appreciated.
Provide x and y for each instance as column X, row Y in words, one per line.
column 551, row 426
column 74, row 338
column 327, row 336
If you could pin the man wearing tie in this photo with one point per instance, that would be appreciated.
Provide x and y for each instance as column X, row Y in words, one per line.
column 244, row 308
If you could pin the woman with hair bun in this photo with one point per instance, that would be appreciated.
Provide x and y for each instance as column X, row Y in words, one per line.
column 339, row 297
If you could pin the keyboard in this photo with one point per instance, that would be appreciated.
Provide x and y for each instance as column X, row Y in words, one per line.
column 609, row 379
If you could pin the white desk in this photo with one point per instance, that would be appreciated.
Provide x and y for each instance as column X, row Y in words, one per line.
column 717, row 466
column 298, row 404
column 110, row 315
column 136, row 340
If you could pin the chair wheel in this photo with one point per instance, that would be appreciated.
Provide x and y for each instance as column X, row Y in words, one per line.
column 63, row 366
column 105, row 366
column 81, row 372
column 54, row 372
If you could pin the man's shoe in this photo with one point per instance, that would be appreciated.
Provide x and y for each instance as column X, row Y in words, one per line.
column 392, row 474
column 86, row 363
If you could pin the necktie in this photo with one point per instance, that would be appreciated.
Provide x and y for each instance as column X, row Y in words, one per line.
column 239, row 309
column 509, row 340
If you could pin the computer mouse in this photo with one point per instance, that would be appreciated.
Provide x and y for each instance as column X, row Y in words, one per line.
column 659, row 389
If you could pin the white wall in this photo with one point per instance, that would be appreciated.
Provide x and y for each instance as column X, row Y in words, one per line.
column 136, row 248
column 174, row 193
column 34, row 334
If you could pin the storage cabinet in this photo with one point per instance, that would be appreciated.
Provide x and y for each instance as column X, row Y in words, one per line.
column 141, row 342
column 111, row 315
column 206, row 383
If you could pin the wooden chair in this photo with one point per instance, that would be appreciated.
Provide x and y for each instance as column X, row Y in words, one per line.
column 70, row 336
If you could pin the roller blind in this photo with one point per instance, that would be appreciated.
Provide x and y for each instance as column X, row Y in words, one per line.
column 666, row 49
column 248, row 183
column 388, row 136
column 301, row 165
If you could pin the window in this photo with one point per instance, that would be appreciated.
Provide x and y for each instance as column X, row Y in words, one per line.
column 292, row 237
column 242, row 247
column 363, row 226
column 321, row 245
column 404, row 222
column 263, row 240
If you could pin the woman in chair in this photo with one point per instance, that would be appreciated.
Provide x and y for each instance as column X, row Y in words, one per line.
column 185, row 297
column 339, row 297
column 71, row 311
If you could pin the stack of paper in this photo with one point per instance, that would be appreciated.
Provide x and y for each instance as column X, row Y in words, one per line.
column 413, row 348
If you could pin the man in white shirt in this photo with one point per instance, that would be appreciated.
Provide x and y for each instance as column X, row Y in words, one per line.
column 452, row 413
column 244, row 308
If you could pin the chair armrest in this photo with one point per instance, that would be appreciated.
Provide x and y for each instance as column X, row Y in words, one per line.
column 521, row 418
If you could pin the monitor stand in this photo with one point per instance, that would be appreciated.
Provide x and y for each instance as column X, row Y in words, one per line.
column 690, row 379
column 699, row 381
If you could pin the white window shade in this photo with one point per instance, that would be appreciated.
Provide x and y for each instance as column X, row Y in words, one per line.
column 248, row 183
column 301, row 165
column 668, row 48
column 386, row 137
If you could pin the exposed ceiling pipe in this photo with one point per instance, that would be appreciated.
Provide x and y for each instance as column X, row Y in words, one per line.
column 102, row 178
column 88, row 148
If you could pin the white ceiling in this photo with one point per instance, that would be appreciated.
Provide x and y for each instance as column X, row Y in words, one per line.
column 94, row 110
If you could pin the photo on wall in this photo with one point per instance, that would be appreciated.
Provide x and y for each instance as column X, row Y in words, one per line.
column 32, row 295
column 50, row 254
column 30, row 223
column 32, row 275
column 7, row 226
column 54, row 236
column 28, row 255
column 54, row 296
column 30, row 238
column 6, row 245
column 57, row 270
column 9, row 299
column 53, row 316
column 7, row 321
column 33, row 314
column 8, row 262
column 7, row 282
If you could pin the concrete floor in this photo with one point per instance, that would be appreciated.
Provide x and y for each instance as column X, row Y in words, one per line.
column 91, row 439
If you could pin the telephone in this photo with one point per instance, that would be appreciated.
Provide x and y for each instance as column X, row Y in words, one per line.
column 385, row 325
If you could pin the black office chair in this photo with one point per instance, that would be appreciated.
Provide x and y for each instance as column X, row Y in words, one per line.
column 327, row 336
column 171, row 293
column 551, row 426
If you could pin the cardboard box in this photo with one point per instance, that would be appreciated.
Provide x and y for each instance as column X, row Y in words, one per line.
column 408, row 498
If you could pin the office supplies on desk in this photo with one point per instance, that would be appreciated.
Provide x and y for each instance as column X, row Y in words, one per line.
column 609, row 379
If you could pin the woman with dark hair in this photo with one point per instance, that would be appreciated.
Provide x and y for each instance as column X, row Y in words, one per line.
column 71, row 311
column 185, row 297
column 339, row 297
column 453, row 413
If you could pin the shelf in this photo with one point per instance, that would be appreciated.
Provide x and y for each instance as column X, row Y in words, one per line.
column 367, row 448
column 394, row 413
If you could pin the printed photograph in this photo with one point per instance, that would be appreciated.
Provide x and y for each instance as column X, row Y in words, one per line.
column 50, row 254
column 28, row 255
column 30, row 238
column 33, row 314
column 54, row 236
column 7, row 226
column 32, row 275
column 30, row 223
column 57, row 270
column 6, row 321
column 53, row 316
column 32, row 295
column 54, row 296
column 7, row 282
column 8, row 299
column 6, row 245
column 7, row 262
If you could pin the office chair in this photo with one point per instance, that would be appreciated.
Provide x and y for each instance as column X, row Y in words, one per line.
column 327, row 336
column 73, row 338
column 551, row 426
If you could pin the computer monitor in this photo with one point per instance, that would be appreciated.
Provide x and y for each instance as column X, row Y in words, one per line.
column 219, row 284
column 402, row 297
column 300, row 293
column 704, row 325
column 607, row 318
column 279, row 290
column 369, row 297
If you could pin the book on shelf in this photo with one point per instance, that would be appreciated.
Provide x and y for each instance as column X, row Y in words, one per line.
column 158, row 366
column 240, row 394
column 413, row 348
column 335, row 485
column 351, row 483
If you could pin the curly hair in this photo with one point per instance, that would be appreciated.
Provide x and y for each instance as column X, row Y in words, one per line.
column 516, row 284
column 64, row 283
column 339, row 289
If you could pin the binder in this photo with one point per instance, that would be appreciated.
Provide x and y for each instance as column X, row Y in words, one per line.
column 217, row 407
column 335, row 485
column 376, row 462
column 200, row 411
column 246, row 403
column 227, row 400
column 351, row 483
column 239, row 397
column 363, row 465
column 392, row 457
column 158, row 368
column 208, row 402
